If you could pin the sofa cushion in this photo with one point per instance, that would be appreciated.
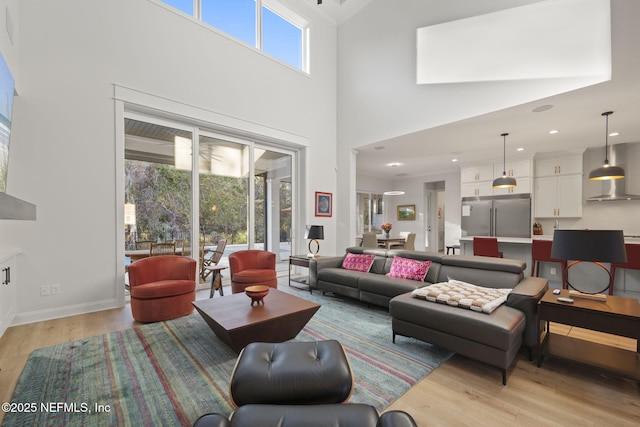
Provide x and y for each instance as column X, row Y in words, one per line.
column 464, row 295
column 405, row 268
column 358, row 262
column 346, row 278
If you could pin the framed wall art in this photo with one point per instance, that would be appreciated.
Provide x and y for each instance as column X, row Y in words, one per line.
column 406, row 212
column 324, row 204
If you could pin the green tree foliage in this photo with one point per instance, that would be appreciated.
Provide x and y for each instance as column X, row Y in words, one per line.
column 162, row 195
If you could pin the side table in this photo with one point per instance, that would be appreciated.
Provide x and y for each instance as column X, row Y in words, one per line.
column 616, row 315
column 216, row 279
column 300, row 261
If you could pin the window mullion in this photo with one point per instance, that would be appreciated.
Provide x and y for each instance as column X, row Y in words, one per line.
column 259, row 24
column 197, row 9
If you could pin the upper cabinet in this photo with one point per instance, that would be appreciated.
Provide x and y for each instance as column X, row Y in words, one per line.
column 558, row 187
column 477, row 180
column 477, row 173
column 517, row 168
column 559, row 166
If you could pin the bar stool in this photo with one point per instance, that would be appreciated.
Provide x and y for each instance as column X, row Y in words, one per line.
column 486, row 246
column 633, row 262
column 541, row 252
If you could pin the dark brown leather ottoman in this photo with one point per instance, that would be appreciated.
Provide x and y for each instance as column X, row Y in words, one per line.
column 295, row 384
column 297, row 373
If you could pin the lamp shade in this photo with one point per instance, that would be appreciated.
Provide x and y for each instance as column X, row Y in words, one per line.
column 504, row 182
column 589, row 245
column 606, row 172
column 315, row 232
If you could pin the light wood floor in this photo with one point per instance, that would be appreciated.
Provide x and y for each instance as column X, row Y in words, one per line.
column 461, row 392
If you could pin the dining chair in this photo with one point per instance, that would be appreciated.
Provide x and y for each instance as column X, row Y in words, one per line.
column 486, row 246
column 211, row 258
column 541, row 252
column 409, row 244
column 369, row 239
column 165, row 248
column 144, row 244
column 633, row 262
column 402, row 245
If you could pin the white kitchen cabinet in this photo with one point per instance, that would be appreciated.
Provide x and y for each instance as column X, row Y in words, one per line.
column 472, row 189
column 559, row 166
column 477, row 173
column 558, row 196
column 558, row 187
column 514, row 168
column 8, row 301
column 523, row 186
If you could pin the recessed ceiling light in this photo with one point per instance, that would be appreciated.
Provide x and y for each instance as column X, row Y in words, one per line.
column 393, row 193
column 394, row 165
column 454, row 160
column 554, row 131
column 542, row 108
column 614, row 134
column 520, row 149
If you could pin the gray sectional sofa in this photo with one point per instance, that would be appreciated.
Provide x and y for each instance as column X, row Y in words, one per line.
column 493, row 338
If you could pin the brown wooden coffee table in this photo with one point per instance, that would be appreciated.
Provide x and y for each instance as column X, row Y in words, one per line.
column 616, row 315
column 237, row 323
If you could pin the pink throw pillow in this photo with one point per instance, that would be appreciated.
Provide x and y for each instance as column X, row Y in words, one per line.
column 406, row 268
column 358, row 262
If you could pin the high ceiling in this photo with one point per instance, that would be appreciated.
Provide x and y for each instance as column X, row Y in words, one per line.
column 576, row 115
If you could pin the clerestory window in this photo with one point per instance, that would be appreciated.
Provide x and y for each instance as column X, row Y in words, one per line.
column 265, row 24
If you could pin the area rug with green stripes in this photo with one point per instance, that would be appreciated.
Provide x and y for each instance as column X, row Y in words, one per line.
column 169, row 373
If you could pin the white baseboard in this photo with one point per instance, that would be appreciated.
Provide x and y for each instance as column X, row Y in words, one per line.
column 65, row 311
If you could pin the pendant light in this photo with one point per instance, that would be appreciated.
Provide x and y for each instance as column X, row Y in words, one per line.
column 504, row 181
column 606, row 172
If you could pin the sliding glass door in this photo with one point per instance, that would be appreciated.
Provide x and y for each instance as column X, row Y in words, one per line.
column 158, row 185
column 244, row 190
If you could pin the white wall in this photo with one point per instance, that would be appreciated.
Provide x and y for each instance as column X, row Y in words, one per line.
column 63, row 155
column 378, row 97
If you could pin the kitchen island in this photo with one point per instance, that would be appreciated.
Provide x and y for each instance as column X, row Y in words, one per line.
column 627, row 282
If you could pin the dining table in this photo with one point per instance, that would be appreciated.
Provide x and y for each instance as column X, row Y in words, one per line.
column 391, row 240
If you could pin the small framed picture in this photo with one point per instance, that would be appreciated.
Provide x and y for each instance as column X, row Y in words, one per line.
column 324, row 204
column 406, row 212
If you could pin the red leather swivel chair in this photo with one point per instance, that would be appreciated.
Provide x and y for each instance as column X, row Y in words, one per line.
column 486, row 246
column 162, row 287
column 633, row 262
column 252, row 267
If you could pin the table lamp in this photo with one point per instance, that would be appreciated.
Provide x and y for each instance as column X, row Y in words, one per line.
column 314, row 233
column 596, row 246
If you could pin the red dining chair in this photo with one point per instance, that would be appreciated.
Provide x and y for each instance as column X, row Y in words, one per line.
column 486, row 246
column 633, row 262
column 541, row 252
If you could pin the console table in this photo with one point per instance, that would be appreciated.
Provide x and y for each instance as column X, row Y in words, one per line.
column 616, row 315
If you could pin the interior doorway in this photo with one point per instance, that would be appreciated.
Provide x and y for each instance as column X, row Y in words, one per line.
column 434, row 222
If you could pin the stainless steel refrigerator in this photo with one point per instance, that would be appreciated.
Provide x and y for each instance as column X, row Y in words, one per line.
column 500, row 216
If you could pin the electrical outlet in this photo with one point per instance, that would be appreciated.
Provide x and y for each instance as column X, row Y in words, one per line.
column 55, row 289
column 45, row 290
column 552, row 270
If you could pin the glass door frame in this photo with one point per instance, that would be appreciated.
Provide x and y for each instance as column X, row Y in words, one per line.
column 197, row 130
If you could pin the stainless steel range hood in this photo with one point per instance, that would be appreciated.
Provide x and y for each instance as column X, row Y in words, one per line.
column 615, row 189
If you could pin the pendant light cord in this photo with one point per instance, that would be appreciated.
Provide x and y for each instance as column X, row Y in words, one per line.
column 606, row 137
column 504, row 154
